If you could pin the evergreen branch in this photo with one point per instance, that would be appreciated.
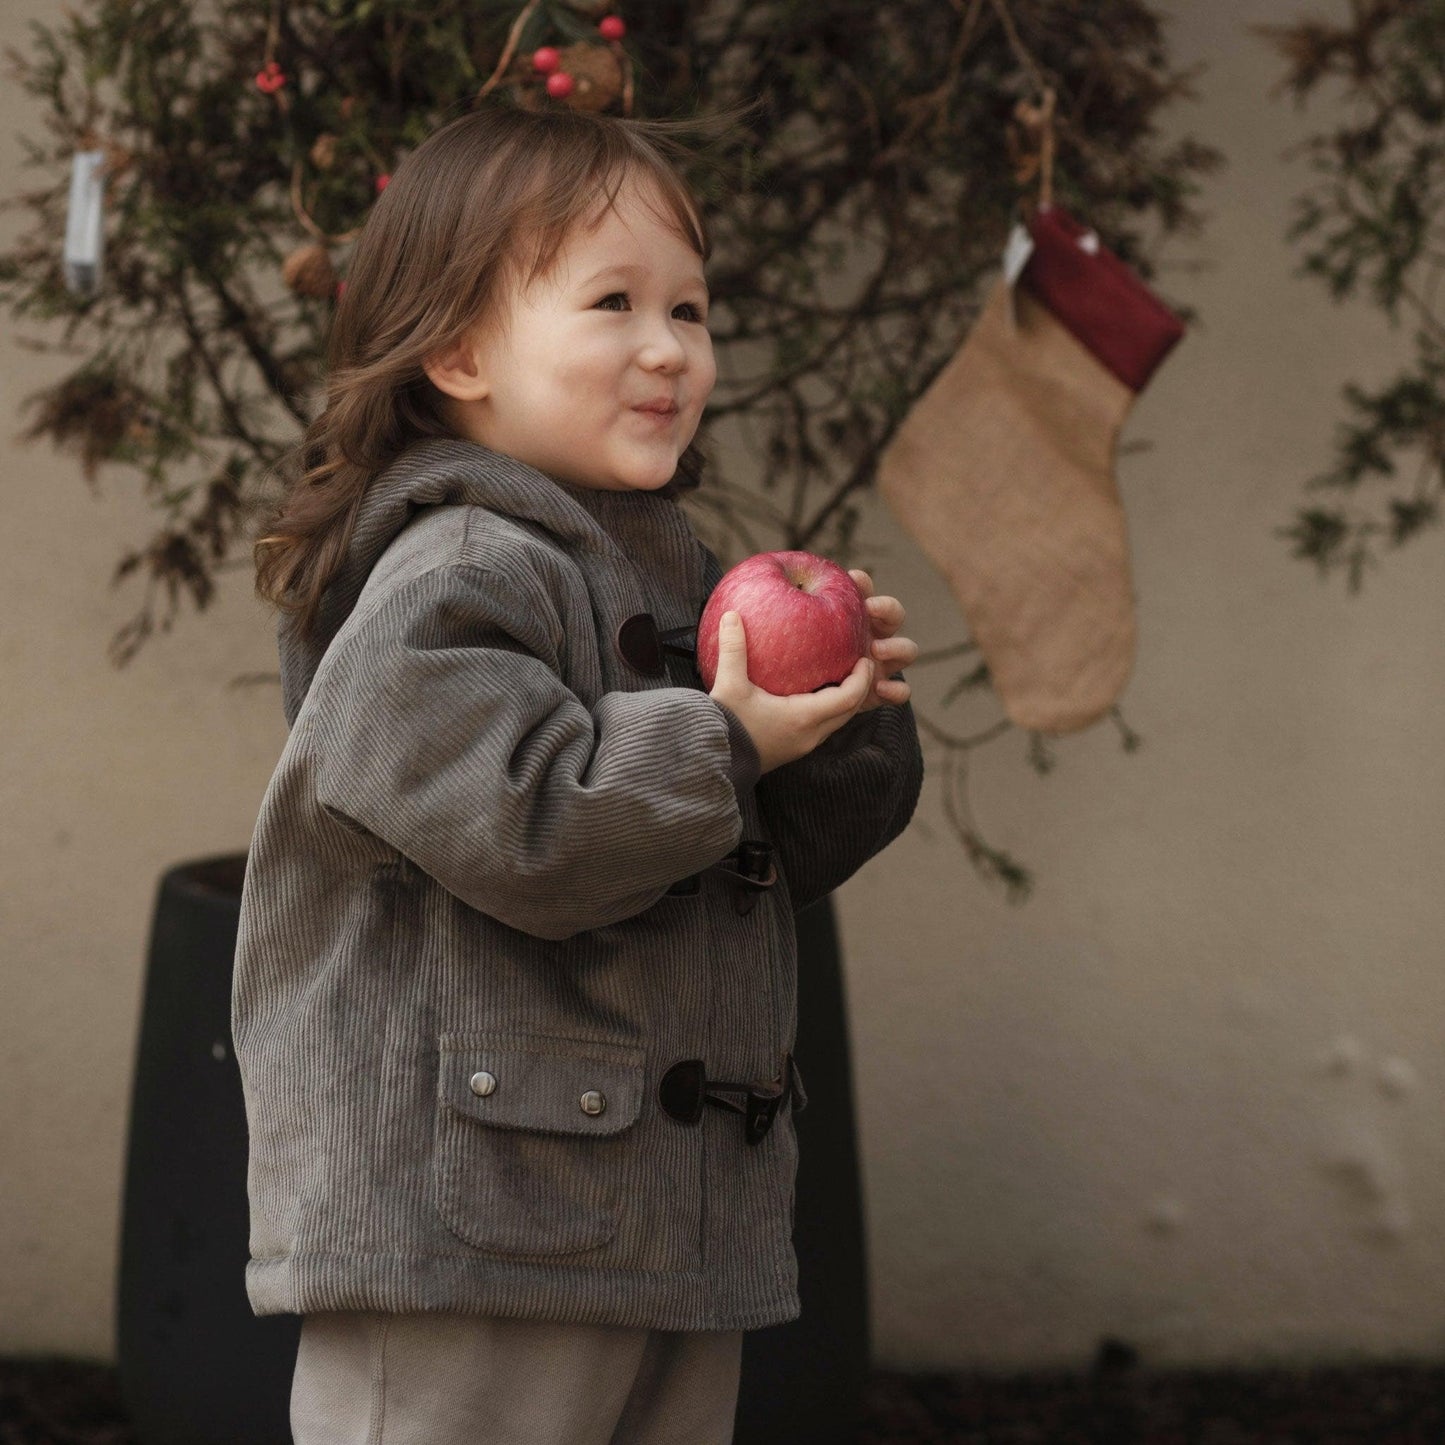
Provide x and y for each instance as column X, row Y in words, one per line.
column 239, row 430
column 236, row 319
column 876, row 154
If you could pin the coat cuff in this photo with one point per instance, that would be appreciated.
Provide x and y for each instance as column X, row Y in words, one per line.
column 745, row 766
column 859, row 731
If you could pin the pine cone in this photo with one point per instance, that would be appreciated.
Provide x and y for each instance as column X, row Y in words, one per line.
column 597, row 72
column 308, row 270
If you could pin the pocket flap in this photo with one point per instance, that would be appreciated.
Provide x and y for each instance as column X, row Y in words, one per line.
column 542, row 1082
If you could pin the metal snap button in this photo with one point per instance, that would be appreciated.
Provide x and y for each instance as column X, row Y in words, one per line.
column 593, row 1102
column 483, row 1083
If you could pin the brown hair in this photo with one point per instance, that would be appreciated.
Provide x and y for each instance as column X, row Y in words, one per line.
column 482, row 204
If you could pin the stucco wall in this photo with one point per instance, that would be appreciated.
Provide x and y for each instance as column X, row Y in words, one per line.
column 1188, row 1096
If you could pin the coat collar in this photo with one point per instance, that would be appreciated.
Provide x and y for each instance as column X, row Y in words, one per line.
column 647, row 531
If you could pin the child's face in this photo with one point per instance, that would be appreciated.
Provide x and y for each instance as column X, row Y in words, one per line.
column 618, row 323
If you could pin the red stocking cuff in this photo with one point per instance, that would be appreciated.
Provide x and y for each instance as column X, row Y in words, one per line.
column 1099, row 299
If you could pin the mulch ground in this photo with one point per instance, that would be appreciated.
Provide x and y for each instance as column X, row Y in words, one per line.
column 69, row 1402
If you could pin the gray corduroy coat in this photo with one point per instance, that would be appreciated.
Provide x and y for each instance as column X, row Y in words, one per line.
column 460, row 973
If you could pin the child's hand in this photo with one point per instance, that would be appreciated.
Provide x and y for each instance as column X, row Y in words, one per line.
column 892, row 653
column 782, row 728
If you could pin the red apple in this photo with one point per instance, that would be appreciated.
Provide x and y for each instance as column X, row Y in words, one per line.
column 805, row 620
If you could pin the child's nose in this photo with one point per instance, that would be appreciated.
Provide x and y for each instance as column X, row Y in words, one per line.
column 662, row 347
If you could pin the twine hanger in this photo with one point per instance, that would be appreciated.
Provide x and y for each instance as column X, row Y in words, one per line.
column 1036, row 119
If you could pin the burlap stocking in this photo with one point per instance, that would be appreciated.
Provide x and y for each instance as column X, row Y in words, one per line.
column 1003, row 474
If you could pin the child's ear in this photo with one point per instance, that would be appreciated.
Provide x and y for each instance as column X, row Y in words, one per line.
column 458, row 371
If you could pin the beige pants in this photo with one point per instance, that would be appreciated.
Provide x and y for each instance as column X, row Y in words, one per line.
column 443, row 1379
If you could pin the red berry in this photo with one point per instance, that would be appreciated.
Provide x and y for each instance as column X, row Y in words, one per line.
column 271, row 79
column 382, row 182
column 546, row 58
column 612, row 27
column 340, row 289
column 559, row 86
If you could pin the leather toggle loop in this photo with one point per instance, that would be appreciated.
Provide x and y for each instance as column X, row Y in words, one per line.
column 762, row 1109
column 641, row 645
column 749, row 868
column 685, row 1088
column 751, row 871
column 674, row 641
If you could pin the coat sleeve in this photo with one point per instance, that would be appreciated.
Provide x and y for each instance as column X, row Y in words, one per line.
column 443, row 727
column 832, row 810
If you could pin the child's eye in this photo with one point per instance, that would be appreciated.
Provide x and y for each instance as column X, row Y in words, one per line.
column 693, row 313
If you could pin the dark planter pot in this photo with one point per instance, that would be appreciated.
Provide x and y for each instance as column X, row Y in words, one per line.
column 803, row 1381
column 198, row 1368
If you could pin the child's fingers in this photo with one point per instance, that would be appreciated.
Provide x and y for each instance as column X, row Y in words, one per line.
column 896, row 652
column 840, row 699
column 862, row 581
column 732, row 654
column 886, row 615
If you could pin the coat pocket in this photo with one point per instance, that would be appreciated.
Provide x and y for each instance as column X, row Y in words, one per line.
column 531, row 1139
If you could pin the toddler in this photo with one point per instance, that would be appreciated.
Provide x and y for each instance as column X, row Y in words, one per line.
column 515, row 989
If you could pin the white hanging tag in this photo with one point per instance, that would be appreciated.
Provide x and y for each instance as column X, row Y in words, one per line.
column 1016, row 255
column 84, row 224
